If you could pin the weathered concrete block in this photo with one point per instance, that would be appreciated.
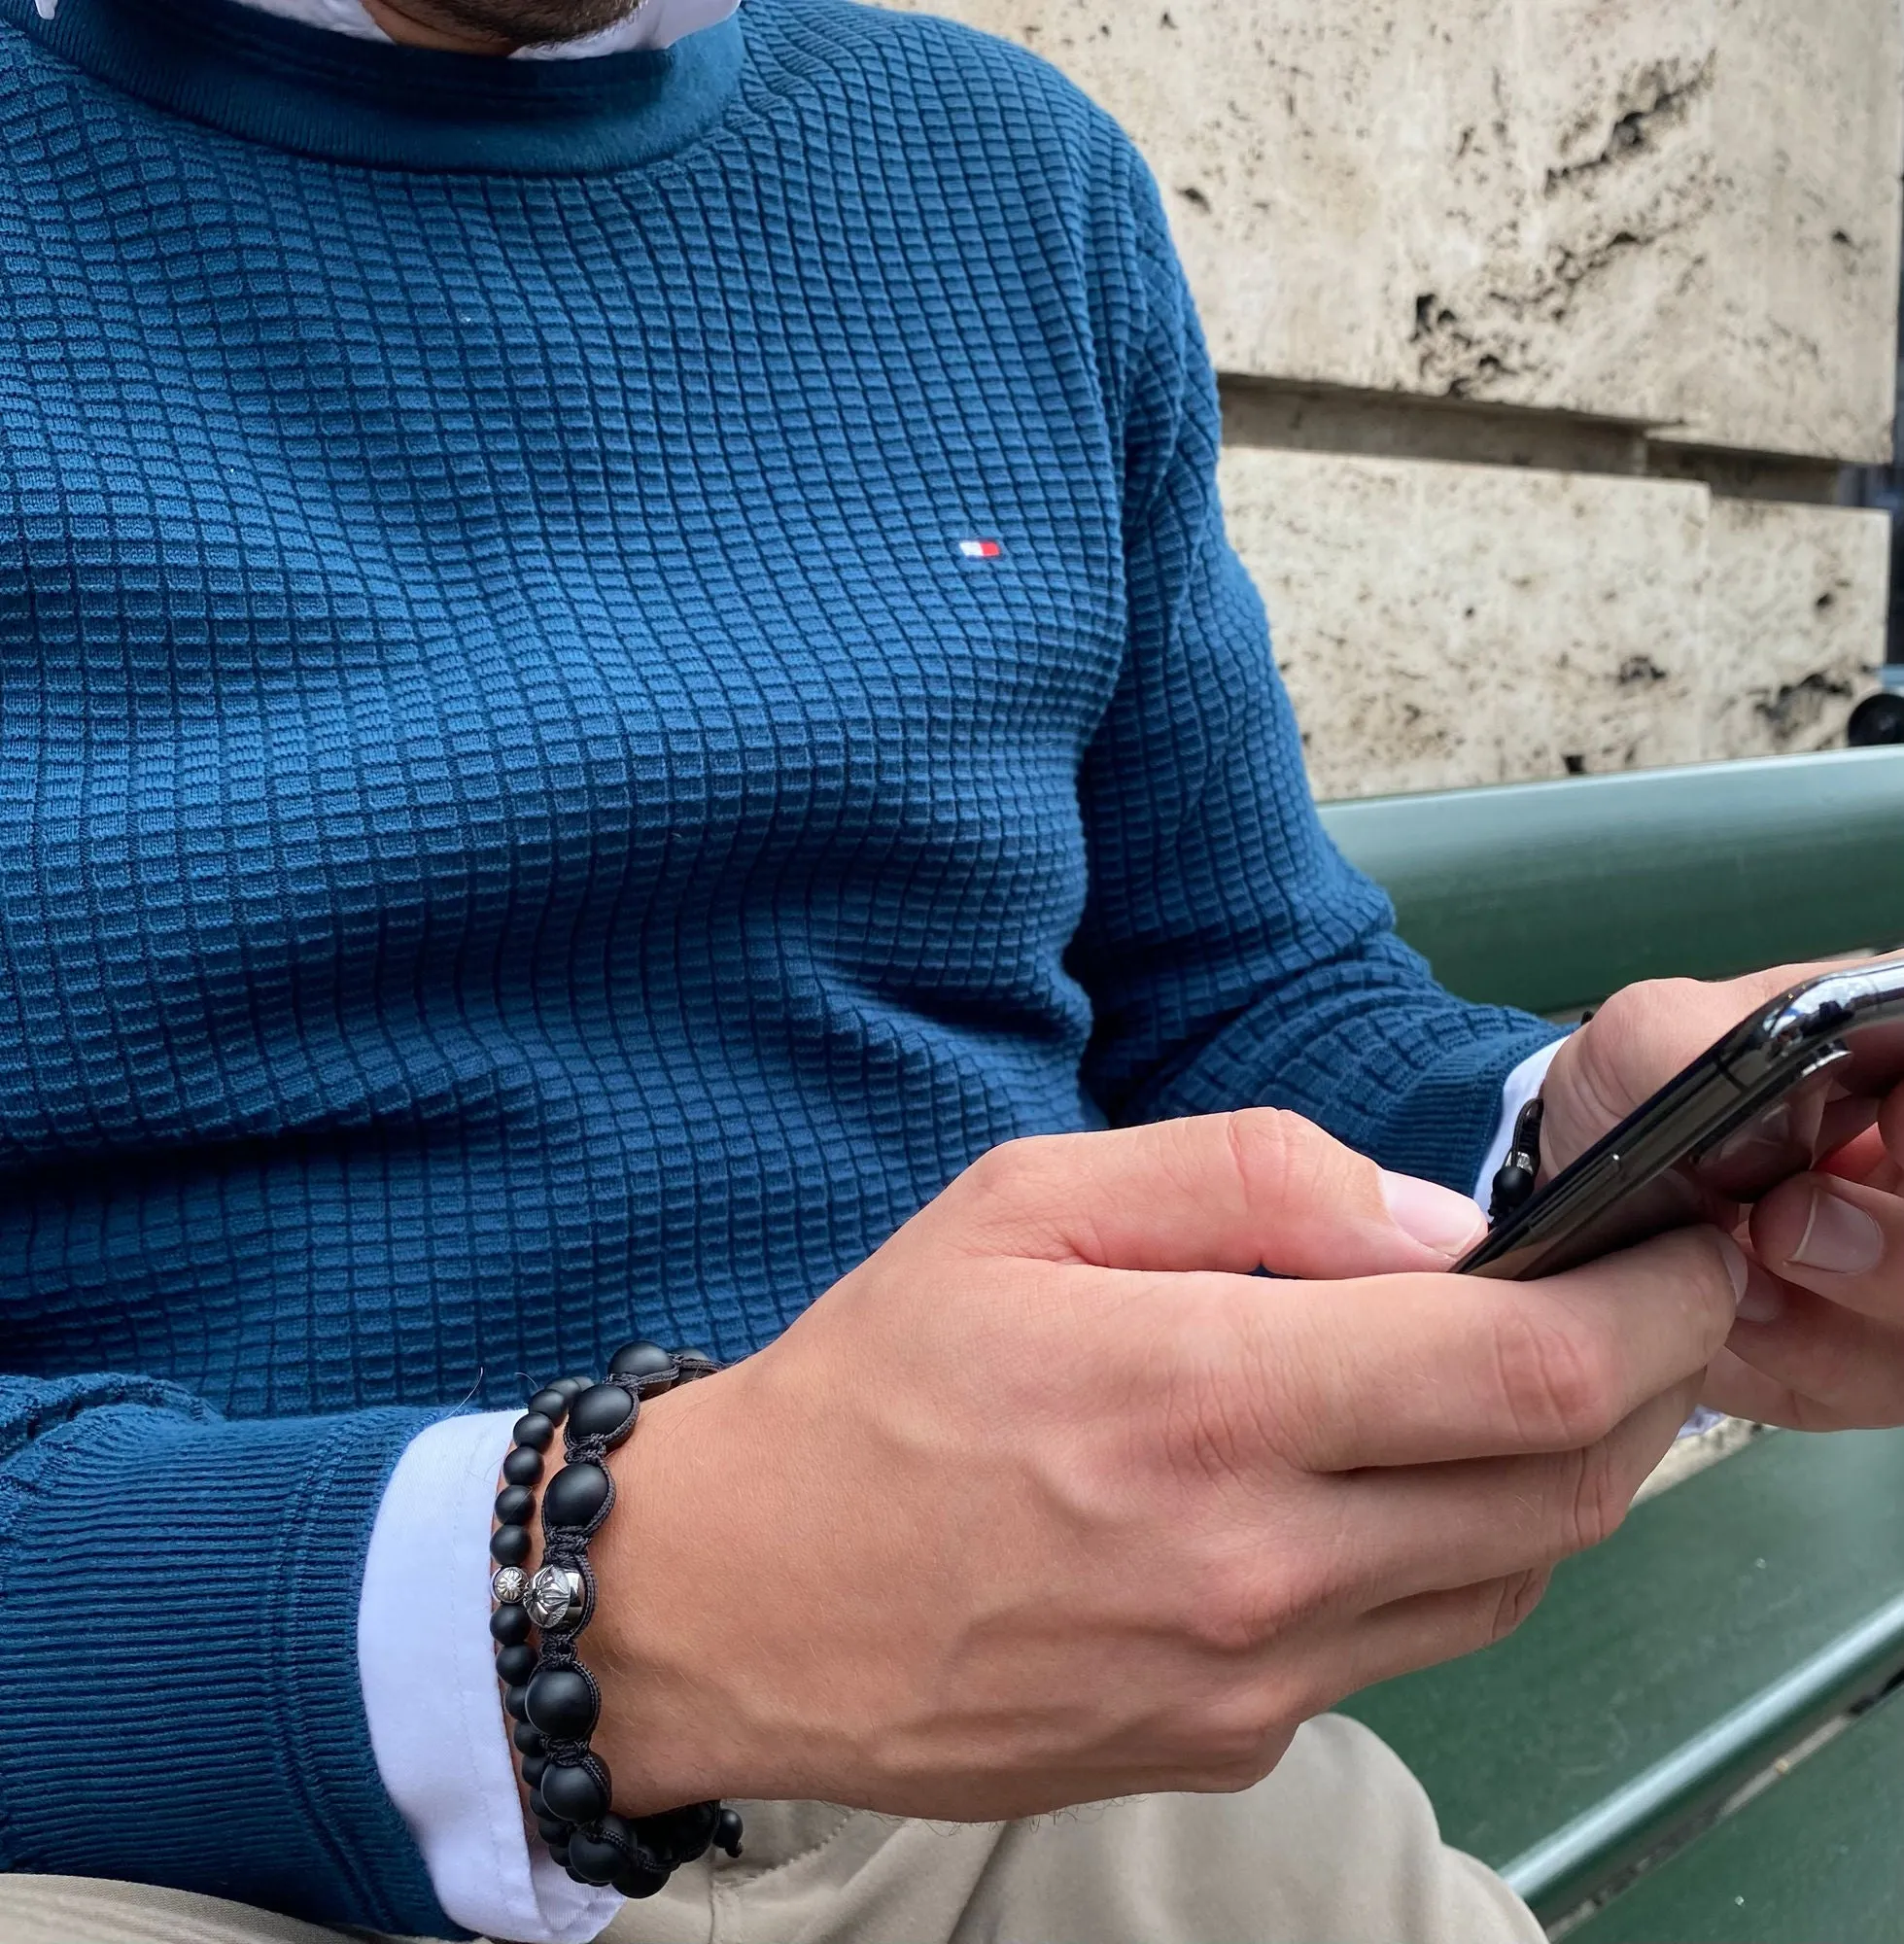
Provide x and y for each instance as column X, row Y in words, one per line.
column 1441, row 625
column 1789, row 348
column 1678, row 212
column 1795, row 612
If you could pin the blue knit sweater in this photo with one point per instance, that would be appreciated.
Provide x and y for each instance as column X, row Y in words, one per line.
column 527, row 816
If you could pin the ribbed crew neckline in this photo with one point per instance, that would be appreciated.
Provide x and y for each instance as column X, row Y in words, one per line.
column 344, row 99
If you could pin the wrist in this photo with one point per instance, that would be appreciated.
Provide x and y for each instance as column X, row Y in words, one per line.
column 661, row 1637
column 1572, row 1117
column 540, row 1620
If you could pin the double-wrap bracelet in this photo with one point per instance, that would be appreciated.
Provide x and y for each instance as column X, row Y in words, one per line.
column 549, row 1694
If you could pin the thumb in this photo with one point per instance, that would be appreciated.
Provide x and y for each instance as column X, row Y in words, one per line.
column 1258, row 1189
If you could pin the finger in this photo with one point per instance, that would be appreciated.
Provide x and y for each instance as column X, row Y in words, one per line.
column 1814, row 1366
column 1431, row 1628
column 1838, row 1238
column 1426, row 1369
column 1891, row 1124
column 1258, row 1189
column 1437, row 1528
column 1864, row 1158
column 1635, row 1042
column 1735, row 1389
column 1639, row 1039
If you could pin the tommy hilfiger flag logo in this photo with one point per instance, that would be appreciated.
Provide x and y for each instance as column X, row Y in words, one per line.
column 979, row 549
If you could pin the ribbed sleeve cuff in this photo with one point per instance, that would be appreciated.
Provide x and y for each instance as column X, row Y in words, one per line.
column 1448, row 1110
column 179, row 1694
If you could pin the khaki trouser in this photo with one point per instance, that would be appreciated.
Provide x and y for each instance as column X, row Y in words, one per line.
column 1337, row 1847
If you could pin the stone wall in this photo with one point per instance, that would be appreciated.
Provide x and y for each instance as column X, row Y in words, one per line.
column 1544, row 327
column 1442, row 624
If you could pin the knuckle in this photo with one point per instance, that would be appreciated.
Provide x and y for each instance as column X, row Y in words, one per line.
column 1515, row 1601
column 1262, row 1140
column 1010, row 1178
column 1219, row 1625
column 1629, row 1036
column 1235, row 1742
column 1235, row 1606
column 1002, row 1167
column 1557, row 1376
column 1653, row 1003
column 1594, row 1498
column 1278, row 1156
column 1236, row 1778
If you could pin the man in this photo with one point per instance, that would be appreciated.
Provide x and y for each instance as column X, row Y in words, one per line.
column 617, row 673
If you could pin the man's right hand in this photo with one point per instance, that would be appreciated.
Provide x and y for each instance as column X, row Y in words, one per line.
column 1052, row 1500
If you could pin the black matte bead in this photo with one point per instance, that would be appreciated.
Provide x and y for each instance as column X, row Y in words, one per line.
column 1513, row 1184
column 598, row 1852
column 515, row 1664
column 534, row 1768
column 510, row 1625
column 636, row 1880
column 562, row 1702
column 537, row 1808
column 641, row 1360
column 523, row 1466
column 552, row 1828
column 573, row 1793
column 534, row 1430
column 529, row 1740
column 590, row 1861
column 601, row 1411
column 571, row 1387
column 728, row 1831
column 560, row 1852
column 697, row 1357
column 515, row 1702
column 508, row 1544
column 575, row 1496
column 550, row 1402
column 515, row 1505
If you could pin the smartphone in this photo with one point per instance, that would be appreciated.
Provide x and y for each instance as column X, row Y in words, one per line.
column 1784, row 1088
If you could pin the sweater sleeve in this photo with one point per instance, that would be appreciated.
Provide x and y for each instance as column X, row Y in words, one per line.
column 179, row 1694
column 1232, row 957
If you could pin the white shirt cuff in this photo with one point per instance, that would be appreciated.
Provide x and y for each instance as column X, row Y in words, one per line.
column 1519, row 1088
column 427, row 1664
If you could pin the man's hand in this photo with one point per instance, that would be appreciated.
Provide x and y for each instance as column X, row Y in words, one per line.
column 1054, row 1499
column 1819, row 1342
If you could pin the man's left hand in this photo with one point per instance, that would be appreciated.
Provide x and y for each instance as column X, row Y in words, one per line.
column 1819, row 1341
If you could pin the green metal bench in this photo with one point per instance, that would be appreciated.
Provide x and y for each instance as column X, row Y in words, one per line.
column 1552, row 895
column 1732, row 1621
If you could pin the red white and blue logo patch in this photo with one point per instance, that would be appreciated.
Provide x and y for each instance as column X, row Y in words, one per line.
column 979, row 549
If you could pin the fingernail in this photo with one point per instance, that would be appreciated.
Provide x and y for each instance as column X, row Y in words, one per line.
column 1737, row 1267
column 1764, row 1300
column 1758, row 1295
column 1839, row 1238
column 1436, row 1217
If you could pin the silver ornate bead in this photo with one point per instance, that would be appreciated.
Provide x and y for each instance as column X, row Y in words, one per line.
column 555, row 1597
column 509, row 1584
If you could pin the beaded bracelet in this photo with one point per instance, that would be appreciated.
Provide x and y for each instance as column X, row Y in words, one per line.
column 1514, row 1180
column 550, row 1696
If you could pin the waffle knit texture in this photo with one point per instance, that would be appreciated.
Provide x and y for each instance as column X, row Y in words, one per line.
column 521, row 823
